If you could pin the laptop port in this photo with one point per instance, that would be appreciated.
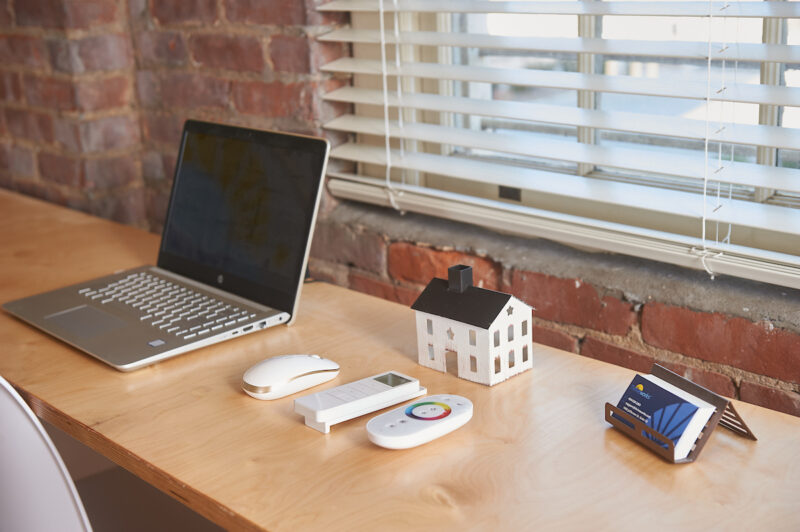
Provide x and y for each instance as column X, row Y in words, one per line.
column 248, row 328
column 263, row 324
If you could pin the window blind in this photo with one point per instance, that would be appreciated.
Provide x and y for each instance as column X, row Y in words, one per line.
column 666, row 130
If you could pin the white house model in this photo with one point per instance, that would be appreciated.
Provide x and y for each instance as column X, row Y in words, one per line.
column 488, row 334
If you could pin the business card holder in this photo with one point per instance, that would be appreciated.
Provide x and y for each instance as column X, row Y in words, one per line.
column 725, row 415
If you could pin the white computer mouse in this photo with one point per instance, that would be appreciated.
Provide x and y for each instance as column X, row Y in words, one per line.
column 284, row 375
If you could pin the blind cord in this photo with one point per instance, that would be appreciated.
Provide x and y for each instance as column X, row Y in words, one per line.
column 705, row 253
column 391, row 193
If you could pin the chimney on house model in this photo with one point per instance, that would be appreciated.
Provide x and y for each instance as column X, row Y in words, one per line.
column 459, row 278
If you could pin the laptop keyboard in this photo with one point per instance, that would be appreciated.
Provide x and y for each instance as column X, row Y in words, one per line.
column 171, row 307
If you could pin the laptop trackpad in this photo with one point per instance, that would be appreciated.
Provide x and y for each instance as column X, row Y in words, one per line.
column 85, row 322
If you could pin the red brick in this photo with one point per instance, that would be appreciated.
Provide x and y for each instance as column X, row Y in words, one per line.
column 162, row 48
column 3, row 128
column 90, row 13
column 324, row 52
column 107, row 93
column 156, row 201
column 10, row 87
column 32, row 187
column 599, row 350
column 46, row 13
column 109, row 133
column 105, row 52
column 20, row 161
column 416, row 264
column 193, row 91
column 125, row 206
column 163, row 128
column 184, row 11
column 96, row 53
column 21, row 50
column 780, row 400
column 153, row 166
column 50, row 92
column 30, row 125
column 289, row 53
column 67, row 134
column 383, row 289
column 756, row 347
column 338, row 243
column 138, row 11
column 170, row 160
column 59, row 169
column 328, row 272
column 5, row 14
column 230, row 52
column 716, row 382
column 110, row 172
column 553, row 338
column 270, row 12
column 274, row 99
column 572, row 301
column 148, row 88
column 73, row 14
column 5, row 150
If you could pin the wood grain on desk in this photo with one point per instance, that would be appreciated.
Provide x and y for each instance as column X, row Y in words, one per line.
column 537, row 453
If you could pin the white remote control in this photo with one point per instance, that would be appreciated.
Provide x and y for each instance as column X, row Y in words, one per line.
column 328, row 407
column 420, row 422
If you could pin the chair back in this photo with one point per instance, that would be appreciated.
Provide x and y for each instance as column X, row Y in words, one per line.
column 36, row 490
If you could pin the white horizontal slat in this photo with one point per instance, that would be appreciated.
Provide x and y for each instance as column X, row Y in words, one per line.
column 737, row 212
column 686, row 50
column 774, row 136
column 666, row 9
column 743, row 93
column 604, row 236
column 640, row 160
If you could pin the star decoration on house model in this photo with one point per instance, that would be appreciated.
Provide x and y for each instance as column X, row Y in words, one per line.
column 510, row 311
column 450, row 333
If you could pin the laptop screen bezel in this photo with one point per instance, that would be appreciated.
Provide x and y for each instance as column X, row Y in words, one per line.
column 317, row 149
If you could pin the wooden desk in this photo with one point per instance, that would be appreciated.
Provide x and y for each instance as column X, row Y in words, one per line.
column 536, row 455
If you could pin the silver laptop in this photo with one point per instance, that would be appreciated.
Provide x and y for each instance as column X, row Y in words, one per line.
column 232, row 258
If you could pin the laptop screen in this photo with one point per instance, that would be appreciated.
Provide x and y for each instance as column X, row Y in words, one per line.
column 242, row 208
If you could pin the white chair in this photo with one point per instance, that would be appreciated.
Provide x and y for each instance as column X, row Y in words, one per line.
column 36, row 490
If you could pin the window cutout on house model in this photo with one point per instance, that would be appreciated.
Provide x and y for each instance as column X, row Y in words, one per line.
column 511, row 359
column 430, row 326
column 497, row 365
column 496, row 338
column 430, row 351
column 510, row 332
column 524, row 328
column 473, row 364
column 472, row 337
column 524, row 353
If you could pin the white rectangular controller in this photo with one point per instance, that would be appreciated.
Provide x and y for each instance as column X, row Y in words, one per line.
column 348, row 401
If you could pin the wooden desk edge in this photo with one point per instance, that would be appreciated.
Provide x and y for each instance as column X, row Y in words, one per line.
column 196, row 500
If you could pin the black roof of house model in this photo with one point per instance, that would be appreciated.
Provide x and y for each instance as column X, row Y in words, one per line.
column 457, row 299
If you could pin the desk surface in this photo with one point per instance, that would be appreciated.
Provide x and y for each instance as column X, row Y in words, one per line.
column 537, row 454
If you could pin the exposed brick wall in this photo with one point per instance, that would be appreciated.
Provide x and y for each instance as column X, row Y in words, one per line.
column 93, row 94
column 235, row 61
column 752, row 361
column 70, row 128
